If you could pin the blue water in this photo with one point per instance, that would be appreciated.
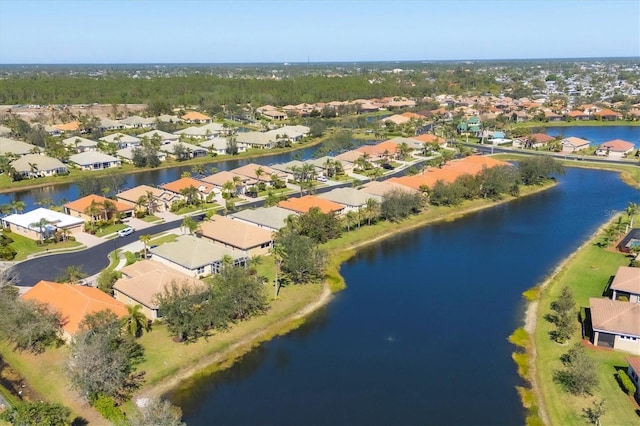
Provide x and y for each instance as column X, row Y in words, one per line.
column 419, row 335
column 597, row 135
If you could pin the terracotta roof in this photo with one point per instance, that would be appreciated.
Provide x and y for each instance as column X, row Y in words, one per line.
column 74, row 302
column 412, row 115
column 430, row 138
column 81, row 204
column 134, row 194
column 382, row 187
column 607, row 112
column 234, row 233
column 349, row 156
column 249, row 170
column 306, row 203
column 617, row 145
column 182, row 183
column 451, row 171
column 68, row 127
column 220, row 178
column 144, row 279
column 540, row 137
column 577, row 113
column 627, row 279
column 614, row 316
column 194, row 115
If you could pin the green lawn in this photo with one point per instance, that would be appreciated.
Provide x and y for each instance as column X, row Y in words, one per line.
column 151, row 218
column 587, row 274
column 110, row 229
column 168, row 238
column 26, row 246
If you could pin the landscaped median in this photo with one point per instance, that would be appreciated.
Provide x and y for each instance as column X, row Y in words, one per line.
column 586, row 273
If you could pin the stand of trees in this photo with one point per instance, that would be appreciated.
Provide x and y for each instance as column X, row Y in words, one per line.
column 235, row 294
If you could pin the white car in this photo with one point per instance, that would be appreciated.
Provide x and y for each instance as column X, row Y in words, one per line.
column 126, row 231
column 322, row 179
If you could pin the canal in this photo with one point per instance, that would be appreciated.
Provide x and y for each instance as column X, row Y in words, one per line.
column 420, row 334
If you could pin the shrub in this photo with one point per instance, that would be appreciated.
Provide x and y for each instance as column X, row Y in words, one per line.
column 625, row 382
column 7, row 253
column 107, row 407
column 131, row 258
column 140, row 214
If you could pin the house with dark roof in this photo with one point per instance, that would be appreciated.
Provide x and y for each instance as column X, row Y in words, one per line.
column 630, row 241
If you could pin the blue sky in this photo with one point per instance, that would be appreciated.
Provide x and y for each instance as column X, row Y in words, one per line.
column 161, row 31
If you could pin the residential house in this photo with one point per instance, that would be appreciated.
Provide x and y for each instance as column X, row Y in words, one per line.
column 219, row 146
column 186, row 150
column 240, row 182
column 634, row 372
column 205, row 190
column 349, row 156
column 166, row 118
column 127, row 154
column 79, row 144
column 142, row 281
column 82, row 207
column 573, row 144
column 237, row 236
column 144, row 197
column 195, row 256
column 36, row 165
column 159, row 135
column 535, row 140
column 137, row 122
column 72, row 126
column 579, row 115
column 616, row 148
column 551, row 116
column 196, row 117
column 270, row 218
column 261, row 140
column 41, row 223
column 107, row 124
column 630, row 241
column 380, row 188
column 94, row 160
column 351, row 198
column 615, row 324
column 121, row 140
column 429, row 138
column 17, row 148
column 274, row 114
column 74, row 302
column 306, row 203
column 608, row 115
column 252, row 170
column 626, row 284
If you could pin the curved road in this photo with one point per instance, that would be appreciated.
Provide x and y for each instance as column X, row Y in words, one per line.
column 94, row 259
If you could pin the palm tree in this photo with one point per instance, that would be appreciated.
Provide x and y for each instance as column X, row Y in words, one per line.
column 632, row 210
column 135, row 322
column 93, row 210
column 227, row 261
column 190, row 224
column 145, row 240
column 41, row 225
column 259, row 171
column 18, row 206
column 237, row 184
column 349, row 219
column 33, row 169
column 227, row 188
column 371, row 209
column 109, row 210
column 190, row 193
column 277, row 251
column 404, row 149
column 610, row 234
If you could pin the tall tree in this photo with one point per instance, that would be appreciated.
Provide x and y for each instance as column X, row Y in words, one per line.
column 135, row 322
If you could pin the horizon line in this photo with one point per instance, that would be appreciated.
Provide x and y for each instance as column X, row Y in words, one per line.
column 324, row 62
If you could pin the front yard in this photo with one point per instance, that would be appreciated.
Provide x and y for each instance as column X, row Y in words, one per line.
column 25, row 246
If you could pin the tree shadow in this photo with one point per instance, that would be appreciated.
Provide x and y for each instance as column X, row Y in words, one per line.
column 79, row 421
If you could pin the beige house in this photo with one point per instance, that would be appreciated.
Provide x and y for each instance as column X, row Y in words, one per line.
column 573, row 144
column 626, row 284
column 616, row 324
column 195, row 256
column 40, row 224
column 161, row 199
column 141, row 281
column 237, row 236
column 36, row 165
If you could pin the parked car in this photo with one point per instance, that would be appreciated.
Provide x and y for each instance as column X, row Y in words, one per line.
column 322, row 179
column 387, row 166
column 126, row 231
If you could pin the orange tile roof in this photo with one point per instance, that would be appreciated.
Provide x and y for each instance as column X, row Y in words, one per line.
column 81, row 204
column 412, row 115
column 194, row 115
column 306, row 203
column 451, row 171
column 68, row 127
column 429, row 138
column 185, row 182
column 617, row 145
column 606, row 112
column 541, row 137
column 576, row 113
column 74, row 302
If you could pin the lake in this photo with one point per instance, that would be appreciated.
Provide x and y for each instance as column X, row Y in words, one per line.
column 598, row 134
column 419, row 335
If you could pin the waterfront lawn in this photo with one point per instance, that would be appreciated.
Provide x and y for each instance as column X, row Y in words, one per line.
column 587, row 274
column 26, row 246
column 165, row 358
